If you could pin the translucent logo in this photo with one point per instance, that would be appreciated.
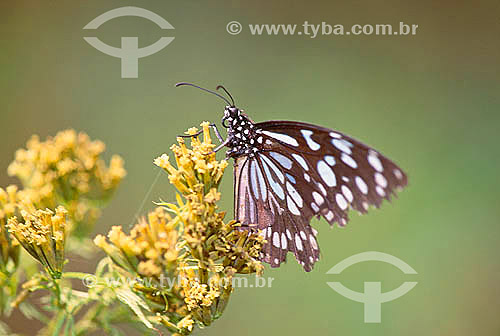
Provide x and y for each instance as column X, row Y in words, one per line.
column 372, row 297
column 129, row 53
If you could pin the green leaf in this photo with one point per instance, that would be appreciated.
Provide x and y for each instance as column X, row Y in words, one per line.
column 61, row 318
column 135, row 303
column 30, row 312
column 69, row 330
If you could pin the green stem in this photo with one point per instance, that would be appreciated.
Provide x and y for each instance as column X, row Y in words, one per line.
column 77, row 275
column 58, row 293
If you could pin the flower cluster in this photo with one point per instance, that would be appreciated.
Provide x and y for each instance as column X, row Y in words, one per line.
column 68, row 169
column 65, row 183
column 151, row 248
column 42, row 234
column 194, row 244
column 9, row 249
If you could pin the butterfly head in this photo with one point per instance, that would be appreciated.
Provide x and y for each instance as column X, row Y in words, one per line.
column 230, row 113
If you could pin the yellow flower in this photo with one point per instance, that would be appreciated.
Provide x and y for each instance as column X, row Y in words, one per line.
column 9, row 248
column 67, row 169
column 42, row 234
column 186, row 323
column 151, row 248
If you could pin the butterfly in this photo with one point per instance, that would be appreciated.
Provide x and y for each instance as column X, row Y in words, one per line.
column 287, row 172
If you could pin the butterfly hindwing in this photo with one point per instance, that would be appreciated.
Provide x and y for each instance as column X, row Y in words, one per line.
column 262, row 197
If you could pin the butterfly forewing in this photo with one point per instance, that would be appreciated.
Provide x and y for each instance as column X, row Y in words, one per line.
column 346, row 168
column 301, row 170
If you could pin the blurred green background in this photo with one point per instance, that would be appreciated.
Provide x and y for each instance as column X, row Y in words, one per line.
column 431, row 102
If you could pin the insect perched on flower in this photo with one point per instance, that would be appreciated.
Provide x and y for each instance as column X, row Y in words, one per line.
column 286, row 172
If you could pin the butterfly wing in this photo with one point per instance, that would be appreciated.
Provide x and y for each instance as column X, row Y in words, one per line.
column 352, row 174
column 260, row 199
column 304, row 171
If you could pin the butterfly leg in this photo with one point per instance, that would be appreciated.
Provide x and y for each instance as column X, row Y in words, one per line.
column 216, row 130
column 217, row 133
column 191, row 135
column 216, row 149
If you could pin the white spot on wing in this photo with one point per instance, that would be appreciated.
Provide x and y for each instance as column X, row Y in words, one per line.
column 262, row 183
column 327, row 174
column 294, row 194
column 342, row 145
column 313, row 242
column 275, row 168
column 291, row 178
column 380, row 180
column 347, row 193
column 314, row 207
column 276, row 239
column 310, row 142
column 330, row 160
column 253, row 179
column 374, row 161
column 335, row 135
column 301, row 161
column 318, row 198
column 252, row 209
column 291, row 206
column 342, row 203
column 303, row 235
column 348, row 160
column 322, row 188
column 283, row 241
column 282, row 137
column 262, row 233
column 298, row 242
column 282, row 160
column 360, row 183
column 269, row 231
column 398, row 174
column 380, row 191
column 274, row 185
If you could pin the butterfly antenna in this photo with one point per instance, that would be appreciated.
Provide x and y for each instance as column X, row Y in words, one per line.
column 223, row 88
column 207, row 90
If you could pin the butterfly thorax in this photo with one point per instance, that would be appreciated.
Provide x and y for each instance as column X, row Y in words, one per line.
column 241, row 132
